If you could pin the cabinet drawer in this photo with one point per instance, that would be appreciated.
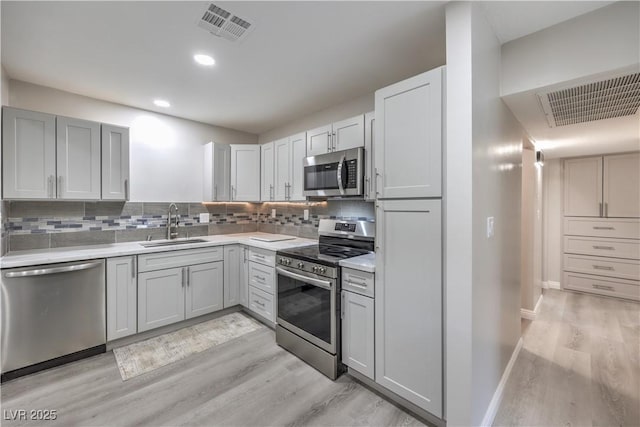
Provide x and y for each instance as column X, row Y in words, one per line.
column 170, row 259
column 262, row 277
column 602, row 285
column 262, row 256
column 614, row 248
column 262, row 303
column 621, row 268
column 360, row 282
column 602, row 227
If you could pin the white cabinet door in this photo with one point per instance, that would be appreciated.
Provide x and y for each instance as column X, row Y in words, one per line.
column 245, row 172
column 298, row 151
column 115, row 163
column 233, row 264
column 204, row 292
column 282, row 169
column 28, row 154
column 408, row 301
column 358, row 333
column 583, row 187
column 348, row 133
column 369, row 171
column 121, row 297
column 217, row 172
column 267, row 159
column 78, row 159
column 160, row 297
column 319, row 140
column 622, row 185
column 408, row 143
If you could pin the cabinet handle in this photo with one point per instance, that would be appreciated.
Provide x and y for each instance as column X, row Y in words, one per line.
column 353, row 282
column 603, row 228
column 188, row 276
column 261, row 304
column 377, row 174
column 609, row 248
column 600, row 209
column 342, row 305
column 50, row 186
column 335, row 141
column 602, row 267
column 244, row 254
column 606, row 210
column 134, row 267
column 258, row 256
column 270, row 191
column 603, row 287
column 328, row 142
column 126, row 189
column 261, row 278
column 59, row 188
column 183, row 270
column 232, row 193
column 215, row 192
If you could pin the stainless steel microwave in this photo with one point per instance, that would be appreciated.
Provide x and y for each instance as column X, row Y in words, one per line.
column 337, row 174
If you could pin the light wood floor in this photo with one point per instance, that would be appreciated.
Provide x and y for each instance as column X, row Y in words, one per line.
column 579, row 366
column 249, row 381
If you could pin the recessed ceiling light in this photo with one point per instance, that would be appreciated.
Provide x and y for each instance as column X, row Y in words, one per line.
column 162, row 103
column 204, row 59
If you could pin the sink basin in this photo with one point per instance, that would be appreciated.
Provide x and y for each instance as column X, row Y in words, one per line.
column 172, row 243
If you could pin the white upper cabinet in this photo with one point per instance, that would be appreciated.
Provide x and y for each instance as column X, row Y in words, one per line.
column 298, row 151
column 217, row 172
column 267, row 190
column 28, row 154
column 78, row 159
column 342, row 135
column 408, row 143
column 621, row 193
column 319, row 140
column 245, row 172
column 115, row 163
column 282, row 169
column 583, row 187
column 369, row 166
column 348, row 133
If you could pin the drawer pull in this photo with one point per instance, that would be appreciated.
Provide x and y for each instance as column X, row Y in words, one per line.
column 258, row 256
column 603, row 228
column 261, row 304
column 353, row 282
column 609, row 248
column 261, row 278
column 602, row 267
column 603, row 287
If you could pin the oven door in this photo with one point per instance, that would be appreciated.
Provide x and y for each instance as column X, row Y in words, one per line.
column 307, row 307
column 334, row 174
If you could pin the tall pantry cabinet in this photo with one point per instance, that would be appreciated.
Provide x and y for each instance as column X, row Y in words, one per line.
column 602, row 225
column 408, row 295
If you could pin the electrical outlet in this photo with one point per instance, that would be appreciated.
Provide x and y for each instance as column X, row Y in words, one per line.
column 204, row 218
column 273, row 213
column 306, row 215
column 490, row 224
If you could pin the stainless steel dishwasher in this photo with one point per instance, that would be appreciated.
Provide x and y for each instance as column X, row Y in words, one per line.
column 51, row 314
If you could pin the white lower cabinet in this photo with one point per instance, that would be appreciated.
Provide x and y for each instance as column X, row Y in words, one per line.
column 235, row 278
column 262, row 304
column 160, row 298
column 358, row 333
column 408, row 301
column 121, row 297
column 261, row 279
column 204, row 292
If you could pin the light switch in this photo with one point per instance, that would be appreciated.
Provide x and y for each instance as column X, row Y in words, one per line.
column 489, row 227
column 306, row 215
column 204, row 218
column 273, row 213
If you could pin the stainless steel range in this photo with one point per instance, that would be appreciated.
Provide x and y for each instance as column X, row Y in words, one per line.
column 308, row 283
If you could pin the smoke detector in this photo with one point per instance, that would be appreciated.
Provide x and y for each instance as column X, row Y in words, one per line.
column 222, row 23
column 605, row 99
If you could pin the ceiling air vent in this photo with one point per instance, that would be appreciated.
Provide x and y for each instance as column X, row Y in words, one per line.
column 225, row 24
column 605, row 99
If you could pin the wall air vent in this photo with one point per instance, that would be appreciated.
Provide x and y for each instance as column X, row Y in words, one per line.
column 600, row 100
column 222, row 23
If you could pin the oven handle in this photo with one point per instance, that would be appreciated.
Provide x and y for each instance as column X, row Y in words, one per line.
column 310, row 280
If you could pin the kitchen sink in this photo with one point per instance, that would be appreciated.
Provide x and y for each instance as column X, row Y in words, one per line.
column 172, row 243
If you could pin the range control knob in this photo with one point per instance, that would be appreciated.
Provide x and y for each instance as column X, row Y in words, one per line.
column 323, row 270
column 281, row 260
column 288, row 261
column 314, row 269
column 300, row 265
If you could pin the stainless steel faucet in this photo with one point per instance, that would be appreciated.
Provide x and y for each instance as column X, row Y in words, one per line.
column 172, row 230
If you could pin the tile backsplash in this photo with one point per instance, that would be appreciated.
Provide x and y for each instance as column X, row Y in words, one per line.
column 38, row 225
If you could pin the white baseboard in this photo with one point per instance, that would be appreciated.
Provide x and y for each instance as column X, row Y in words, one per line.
column 492, row 410
column 531, row 314
column 553, row 285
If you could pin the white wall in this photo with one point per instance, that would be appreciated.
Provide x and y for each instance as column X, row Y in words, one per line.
column 483, row 180
column 552, row 220
column 166, row 151
column 360, row 105
column 603, row 40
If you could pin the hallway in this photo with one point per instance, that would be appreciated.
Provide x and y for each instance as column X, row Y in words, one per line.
column 579, row 365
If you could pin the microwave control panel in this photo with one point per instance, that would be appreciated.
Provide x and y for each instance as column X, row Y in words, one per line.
column 352, row 173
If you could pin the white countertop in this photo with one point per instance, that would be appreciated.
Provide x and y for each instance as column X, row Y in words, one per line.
column 363, row 263
column 78, row 253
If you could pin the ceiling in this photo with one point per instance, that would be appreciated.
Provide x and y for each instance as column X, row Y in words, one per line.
column 301, row 57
